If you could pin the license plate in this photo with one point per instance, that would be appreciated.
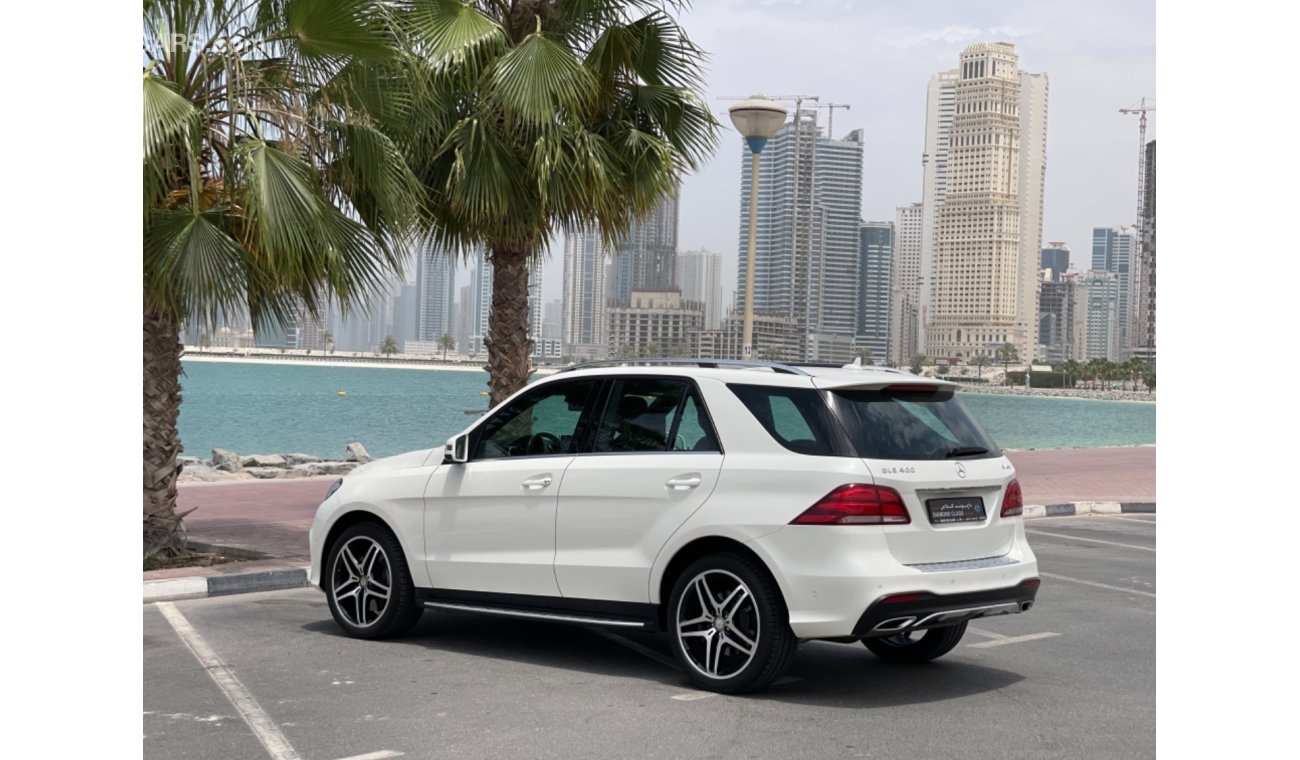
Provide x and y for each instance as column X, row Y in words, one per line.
column 956, row 510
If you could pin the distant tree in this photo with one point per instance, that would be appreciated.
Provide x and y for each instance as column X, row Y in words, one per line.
column 624, row 352
column 1006, row 354
column 205, row 340
column 652, row 349
column 1149, row 379
column 1135, row 367
column 446, row 343
column 328, row 338
column 679, row 350
column 981, row 361
column 941, row 369
column 1072, row 370
column 864, row 354
column 389, row 346
column 919, row 361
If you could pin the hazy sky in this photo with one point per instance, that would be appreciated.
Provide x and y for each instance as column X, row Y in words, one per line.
column 878, row 55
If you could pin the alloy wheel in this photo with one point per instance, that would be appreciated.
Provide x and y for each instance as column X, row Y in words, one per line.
column 717, row 624
column 362, row 581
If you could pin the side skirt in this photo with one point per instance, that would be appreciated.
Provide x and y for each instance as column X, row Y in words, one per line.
column 623, row 615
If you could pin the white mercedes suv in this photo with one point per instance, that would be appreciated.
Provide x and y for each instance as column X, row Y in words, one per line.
column 740, row 507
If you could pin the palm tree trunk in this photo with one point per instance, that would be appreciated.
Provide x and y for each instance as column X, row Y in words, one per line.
column 163, row 531
column 508, row 347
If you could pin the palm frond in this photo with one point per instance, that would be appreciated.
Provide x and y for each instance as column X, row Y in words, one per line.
column 539, row 79
column 169, row 119
column 334, row 28
column 453, row 35
column 194, row 270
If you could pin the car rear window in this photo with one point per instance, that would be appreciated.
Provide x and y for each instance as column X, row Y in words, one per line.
column 910, row 424
column 797, row 418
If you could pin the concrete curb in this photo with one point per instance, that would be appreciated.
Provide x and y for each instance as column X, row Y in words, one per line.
column 198, row 587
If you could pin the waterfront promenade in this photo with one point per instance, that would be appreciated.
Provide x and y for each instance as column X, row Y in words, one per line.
column 272, row 517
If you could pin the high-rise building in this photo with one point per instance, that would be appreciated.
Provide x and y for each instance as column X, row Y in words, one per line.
column 1103, row 299
column 905, row 291
column 553, row 319
column 875, row 278
column 985, row 289
column 655, row 323
column 644, row 258
column 809, row 206
column 465, row 306
column 699, row 275
column 1144, row 341
column 1112, row 251
column 1056, row 259
column 435, row 278
column 584, row 321
column 940, row 107
column 1063, row 318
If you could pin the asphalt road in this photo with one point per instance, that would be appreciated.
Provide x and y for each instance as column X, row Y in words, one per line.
column 1073, row 678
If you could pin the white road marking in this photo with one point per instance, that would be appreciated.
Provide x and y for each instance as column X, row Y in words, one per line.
column 694, row 695
column 1152, row 523
column 1013, row 639
column 276, row 745
column 380, row 755
column 1056, row 577
column 635, row 647
column 1090, row 540
column 984, row 633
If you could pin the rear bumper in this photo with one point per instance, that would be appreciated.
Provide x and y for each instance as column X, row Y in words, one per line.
column 898, row 613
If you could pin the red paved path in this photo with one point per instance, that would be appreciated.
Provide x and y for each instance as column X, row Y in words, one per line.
column 273, row 516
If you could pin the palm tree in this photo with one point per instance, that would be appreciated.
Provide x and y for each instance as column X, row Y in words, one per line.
column 980, row 361
column 446, row 343
column 1072, row 370
column 328, row 338
column 864, row 354
column 624, row 352
column 540, row 115
column 1134, row 367
column 389, row 346
column 1007, row 353
column 652, row 349
column 919, row 361
column 1149, row 379
column 267, row 191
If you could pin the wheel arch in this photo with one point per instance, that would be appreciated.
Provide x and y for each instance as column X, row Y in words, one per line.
column 356, row 517
column 703, row 547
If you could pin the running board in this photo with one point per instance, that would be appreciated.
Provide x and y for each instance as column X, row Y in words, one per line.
column 535, row 615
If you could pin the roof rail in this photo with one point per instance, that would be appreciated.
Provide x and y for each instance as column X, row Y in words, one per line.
column 784, row 369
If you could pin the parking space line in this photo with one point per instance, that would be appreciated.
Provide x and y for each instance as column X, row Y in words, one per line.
column 694, row 695
column 1089, row 540
column 984, row 633
column 380, row 755
column 1056, row 577
column 635, row 647
column 274, row 742
column 1013, row 639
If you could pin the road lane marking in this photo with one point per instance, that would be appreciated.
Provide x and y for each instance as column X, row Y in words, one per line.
column 1152, row 523
column 639, row 649
column 1013, row 639
column 694, row 695
column 380, row 755
column 1056, row 577
column 274, row 742
column 1090, row 540
column 984, row 633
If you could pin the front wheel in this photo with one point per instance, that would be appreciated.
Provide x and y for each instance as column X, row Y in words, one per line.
column 368, row 585
column 729, row 625
column 917, row 646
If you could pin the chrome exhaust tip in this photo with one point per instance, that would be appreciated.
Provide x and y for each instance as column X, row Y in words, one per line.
column 893, row 624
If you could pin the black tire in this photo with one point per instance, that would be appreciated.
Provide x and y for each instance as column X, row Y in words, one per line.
column 360, row 614
column 926, row 646
column 763, row 617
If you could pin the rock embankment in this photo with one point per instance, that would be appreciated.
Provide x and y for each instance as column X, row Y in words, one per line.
column 227, row 465
column 1103, row 395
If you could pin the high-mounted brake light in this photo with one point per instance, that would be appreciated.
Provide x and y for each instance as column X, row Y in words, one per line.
column 1013, row 503
column 857, row 504
column 914, row 388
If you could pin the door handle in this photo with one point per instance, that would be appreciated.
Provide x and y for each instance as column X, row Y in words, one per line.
column 682, row 482
column 535, row 483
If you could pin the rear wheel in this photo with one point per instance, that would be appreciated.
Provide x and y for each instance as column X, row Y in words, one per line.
column 368, row 584
column 729, row 625
column 917, row 646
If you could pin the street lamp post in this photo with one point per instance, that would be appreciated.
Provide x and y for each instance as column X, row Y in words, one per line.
column 757, row 119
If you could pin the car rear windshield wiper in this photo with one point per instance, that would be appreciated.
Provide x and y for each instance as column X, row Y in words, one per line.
column 966, row 451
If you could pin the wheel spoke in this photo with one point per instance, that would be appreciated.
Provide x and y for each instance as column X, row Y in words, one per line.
column 738, row 596
column 743, row 648
column 735, row 633
column 703, row 633
column 361, row 608
column 340, row 588
column 716, row 641
column 378, row 590
column 701, row 592
column 368, row 562
column 694, row 621
column 350, row 561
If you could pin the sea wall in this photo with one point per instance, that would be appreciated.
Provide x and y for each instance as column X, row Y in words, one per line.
column 226, row 465
column 1102, row 395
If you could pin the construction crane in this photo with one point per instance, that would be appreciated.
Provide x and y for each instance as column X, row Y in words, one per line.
column 1136, row 272
column 798, row 101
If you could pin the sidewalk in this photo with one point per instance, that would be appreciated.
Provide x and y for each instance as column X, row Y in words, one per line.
column 271, row 518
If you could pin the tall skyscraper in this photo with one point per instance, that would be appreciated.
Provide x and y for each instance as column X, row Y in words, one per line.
column 435, row 277
column 1112, row 251
column 1144, row 345
column 699, row 275
column 1103, row 334
column 809, row 206
column 553, row 319
column 644, row 258
column 1056, row 259
column 585, row 299
column 875, row 276
column 905, row 291
column 940, row 107
column 985, row 290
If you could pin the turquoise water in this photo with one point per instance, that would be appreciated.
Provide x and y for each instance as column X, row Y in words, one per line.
column 276, row 409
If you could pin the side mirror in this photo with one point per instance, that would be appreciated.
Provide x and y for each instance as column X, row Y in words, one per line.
column 457, row 450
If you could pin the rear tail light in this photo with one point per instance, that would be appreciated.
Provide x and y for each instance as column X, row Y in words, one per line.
column 857, row 504
column 1013, row 503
